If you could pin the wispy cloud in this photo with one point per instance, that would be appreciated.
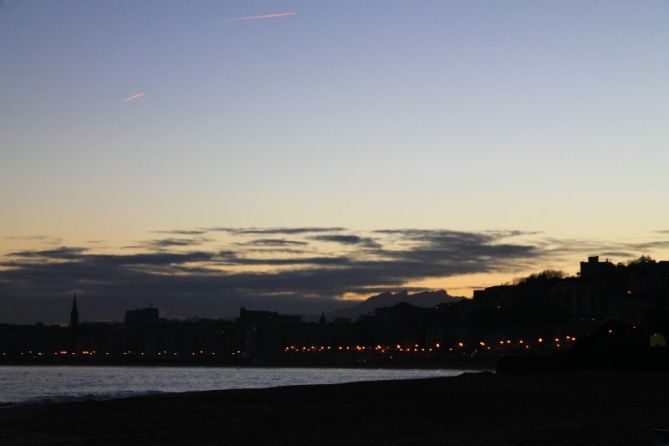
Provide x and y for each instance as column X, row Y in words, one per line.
column 260, row 231
column 182, row 232
column 170, row 242
column 274, row 15
column 40, row 238
column 133, row 97
column 275, row 242
column 348, row 239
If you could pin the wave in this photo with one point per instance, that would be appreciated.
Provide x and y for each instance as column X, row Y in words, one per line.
column 68, row 398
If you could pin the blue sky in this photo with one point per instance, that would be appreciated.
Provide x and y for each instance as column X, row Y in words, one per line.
column 533, row 116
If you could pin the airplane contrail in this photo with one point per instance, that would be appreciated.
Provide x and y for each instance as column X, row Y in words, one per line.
column 133, row 97
column 274, row 15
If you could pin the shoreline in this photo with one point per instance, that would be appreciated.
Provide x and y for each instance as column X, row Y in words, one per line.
column 576, row 408
column 214, row 379
column 479, row 363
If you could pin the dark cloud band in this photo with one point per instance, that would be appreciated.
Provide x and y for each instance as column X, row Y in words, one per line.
column 279, row 278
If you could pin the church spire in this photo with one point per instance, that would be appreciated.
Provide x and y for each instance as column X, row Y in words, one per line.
column 74, row 313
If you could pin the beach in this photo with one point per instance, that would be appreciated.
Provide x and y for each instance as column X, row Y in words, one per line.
column 595, row 408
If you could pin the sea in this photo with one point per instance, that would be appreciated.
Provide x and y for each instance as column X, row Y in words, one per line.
column 44, row 384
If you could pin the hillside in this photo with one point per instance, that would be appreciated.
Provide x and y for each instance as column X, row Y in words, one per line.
column 423, row 299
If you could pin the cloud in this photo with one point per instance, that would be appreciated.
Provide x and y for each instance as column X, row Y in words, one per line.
column 265, row 271
column 185, row 280
column 182, row 232
column 151, row 259
column 275, row 250
column 172, row 242
column 133, row 97
column 646, row 246
column 275, row 242
column 231, row 258
column 62, row 253
column 347, row 239
column 616, row 254
column 604, row 248
column 41, row 238
column 267, row 231
column 275, row 15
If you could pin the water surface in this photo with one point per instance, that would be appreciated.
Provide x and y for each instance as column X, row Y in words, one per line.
column 25, row 384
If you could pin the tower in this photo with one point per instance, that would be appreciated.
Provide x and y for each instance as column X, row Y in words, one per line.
column 74, row 313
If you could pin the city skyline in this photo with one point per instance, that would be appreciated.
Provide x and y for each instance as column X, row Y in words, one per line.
column 546, row 312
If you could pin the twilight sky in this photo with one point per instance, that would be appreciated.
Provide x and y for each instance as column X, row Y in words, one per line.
column 200, row 155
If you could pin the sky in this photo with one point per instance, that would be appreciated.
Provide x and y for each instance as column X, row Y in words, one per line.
column 290, row 154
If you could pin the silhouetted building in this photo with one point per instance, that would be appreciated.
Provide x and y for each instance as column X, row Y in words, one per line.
column 141, row 318
column 594, row 269
column 265, row 331
column 74, row 325
column 74, row 313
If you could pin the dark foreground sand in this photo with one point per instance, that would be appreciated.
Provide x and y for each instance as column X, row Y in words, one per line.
column 478, row 409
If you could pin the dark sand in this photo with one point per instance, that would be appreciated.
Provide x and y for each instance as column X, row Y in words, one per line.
column 477, row 409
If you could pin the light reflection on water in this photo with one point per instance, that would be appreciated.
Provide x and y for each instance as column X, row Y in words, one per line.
column 20, row 384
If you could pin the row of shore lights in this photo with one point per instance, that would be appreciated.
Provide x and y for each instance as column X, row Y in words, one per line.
column 417, row 348
column 127, row 353
column 360, row 348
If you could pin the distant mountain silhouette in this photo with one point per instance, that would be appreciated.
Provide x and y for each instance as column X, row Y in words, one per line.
column 423, row 299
